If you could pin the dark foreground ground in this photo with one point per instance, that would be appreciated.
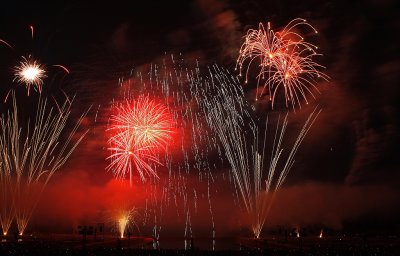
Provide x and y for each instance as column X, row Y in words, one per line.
column 141, row 246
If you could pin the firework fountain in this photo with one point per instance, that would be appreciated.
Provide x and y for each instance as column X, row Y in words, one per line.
column 124, row 219
column 166, row 124
column 31, row 155
column 229, row 116
column 6, row 196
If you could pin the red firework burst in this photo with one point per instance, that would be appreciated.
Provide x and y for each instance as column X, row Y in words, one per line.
column 141, row 128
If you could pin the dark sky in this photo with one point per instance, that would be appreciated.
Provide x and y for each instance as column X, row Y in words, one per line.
column 351, row 153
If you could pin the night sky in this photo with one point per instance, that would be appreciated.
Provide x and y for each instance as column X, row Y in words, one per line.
column 346, row 172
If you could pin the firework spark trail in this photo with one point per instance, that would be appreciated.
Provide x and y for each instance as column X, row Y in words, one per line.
column 30, row 72
column 66, row 70
column 5, row 43
column 284, row 59
column 211, row 211
column 30, row 157
column 156, row 204
column 227, row 116
column 32, row 30
column 188, row 229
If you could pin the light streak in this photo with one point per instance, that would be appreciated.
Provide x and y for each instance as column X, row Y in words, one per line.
column 32, row 30
column 7, row 44
column 62, row 67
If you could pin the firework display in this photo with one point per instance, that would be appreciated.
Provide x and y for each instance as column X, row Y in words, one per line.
column 178, row 138
column 198, row 107
column 283, row 59
column 216, row 104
